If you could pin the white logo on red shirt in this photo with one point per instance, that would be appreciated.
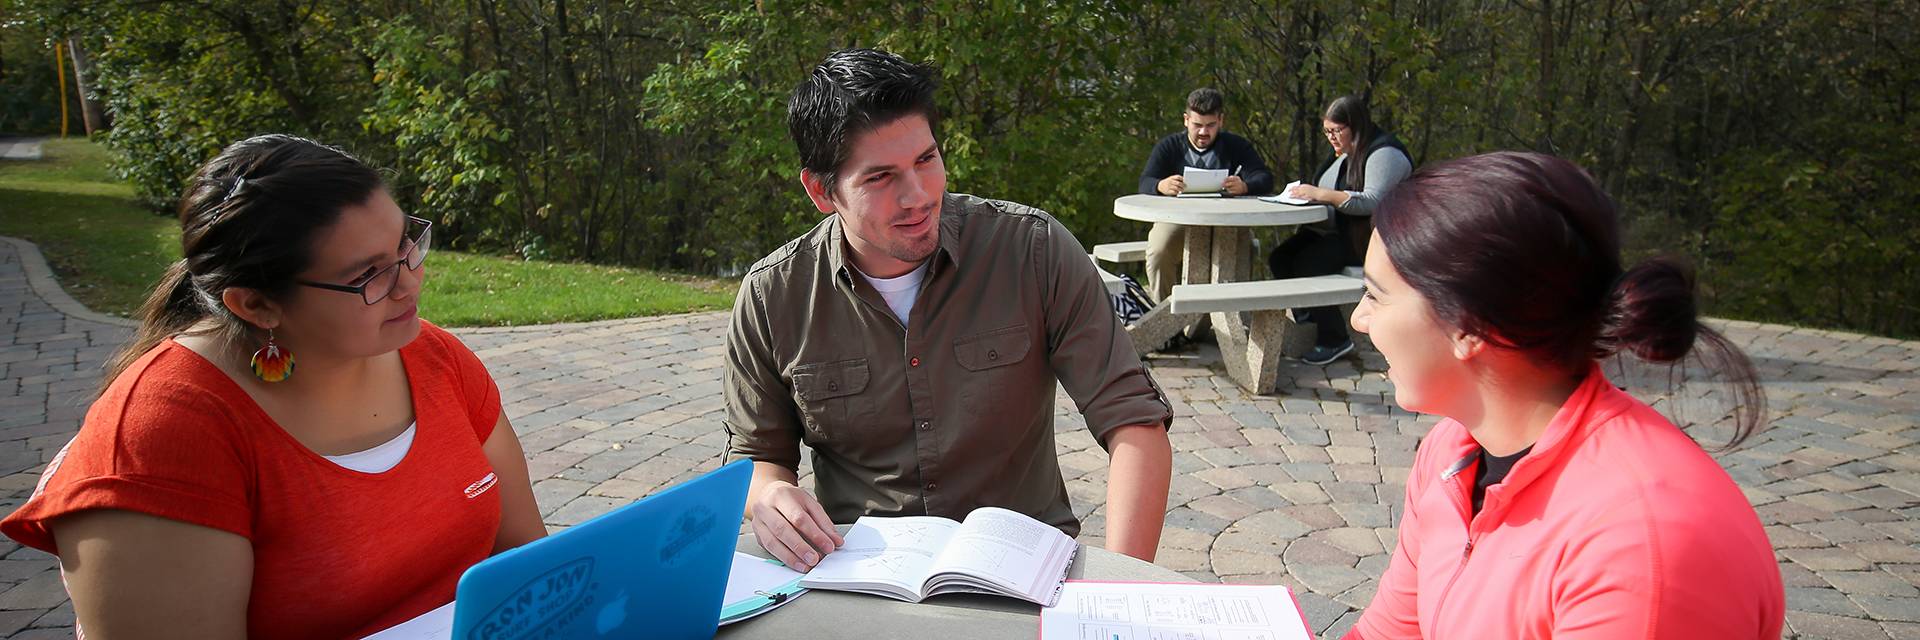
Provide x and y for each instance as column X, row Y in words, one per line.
column 481, row 486
column 52, row 467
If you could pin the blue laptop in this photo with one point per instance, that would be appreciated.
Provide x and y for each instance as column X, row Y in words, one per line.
column 658, row 565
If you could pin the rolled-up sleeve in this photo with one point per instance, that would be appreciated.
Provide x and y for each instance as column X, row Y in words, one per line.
column 1385, row 168
column 762, row 423
column 1088, row 349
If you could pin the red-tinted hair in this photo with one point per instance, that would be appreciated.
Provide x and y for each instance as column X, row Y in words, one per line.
column 1523, row 250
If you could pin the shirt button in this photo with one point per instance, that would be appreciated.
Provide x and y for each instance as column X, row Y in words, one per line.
column 914, row 362
column 993, row 355
column 833, row 386
column 926, row 425
column 930, row 486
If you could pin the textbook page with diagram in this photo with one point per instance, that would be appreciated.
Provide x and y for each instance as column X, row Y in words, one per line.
column 1163, row 611
column 994, row 551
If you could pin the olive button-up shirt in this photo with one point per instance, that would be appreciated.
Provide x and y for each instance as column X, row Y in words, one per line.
column 953, row 409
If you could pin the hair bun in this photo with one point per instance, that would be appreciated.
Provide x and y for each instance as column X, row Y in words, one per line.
column 1652, row 312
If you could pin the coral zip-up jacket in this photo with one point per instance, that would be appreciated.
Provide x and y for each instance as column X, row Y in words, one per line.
column 1616, row 525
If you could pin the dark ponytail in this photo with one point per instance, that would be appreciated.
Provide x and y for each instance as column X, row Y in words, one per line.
column 1652, row 314
column 1523, row 250
column 247, row 219
column 171, row 309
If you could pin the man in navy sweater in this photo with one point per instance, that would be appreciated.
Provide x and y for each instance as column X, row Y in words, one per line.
column 1204, row 144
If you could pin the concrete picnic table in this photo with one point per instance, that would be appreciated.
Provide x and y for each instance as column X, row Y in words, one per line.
column 1217, row 243
column 822, row 614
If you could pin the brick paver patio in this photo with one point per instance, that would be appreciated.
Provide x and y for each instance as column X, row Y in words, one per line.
column 1299, row 489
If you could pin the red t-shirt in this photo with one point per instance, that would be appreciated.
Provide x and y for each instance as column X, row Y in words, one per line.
column 336, row 552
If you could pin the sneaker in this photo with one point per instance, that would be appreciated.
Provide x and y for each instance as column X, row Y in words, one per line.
column 1323, row 355
column 1179, row 342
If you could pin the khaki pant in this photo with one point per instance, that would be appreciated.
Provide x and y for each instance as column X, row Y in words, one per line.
column 1166, row 243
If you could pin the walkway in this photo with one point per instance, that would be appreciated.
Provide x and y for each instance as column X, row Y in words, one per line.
column 20, row 148
column 1297, row 489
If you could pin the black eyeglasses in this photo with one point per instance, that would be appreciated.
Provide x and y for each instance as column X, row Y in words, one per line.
column 375, row 288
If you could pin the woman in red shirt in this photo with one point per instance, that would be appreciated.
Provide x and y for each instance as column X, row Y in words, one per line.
column 1549, row 503
column 284, row 449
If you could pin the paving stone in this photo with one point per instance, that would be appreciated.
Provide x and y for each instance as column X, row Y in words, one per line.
column 1874, row 583
column 1302, row 493
column 40, row 592
column 1902, row 630
column 553, row 493
column 1840, row 531
column 1882, row 551
column 1322, row 610
column 1808, row 624
column 58, row 617
column 1355, row 540
column 1326, row 578
column 1822, row 600
column 1316, row 516
column 1902, row 609
column 12, row 622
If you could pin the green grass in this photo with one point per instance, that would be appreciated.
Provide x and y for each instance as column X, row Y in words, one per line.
column 107, row 252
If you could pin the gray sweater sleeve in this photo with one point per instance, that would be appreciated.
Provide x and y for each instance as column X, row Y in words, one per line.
column 1385, row 168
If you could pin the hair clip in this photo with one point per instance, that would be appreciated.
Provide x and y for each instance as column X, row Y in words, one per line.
column 237, row 181
column 776, row 597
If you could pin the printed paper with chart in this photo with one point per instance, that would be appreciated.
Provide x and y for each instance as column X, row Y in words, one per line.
column 1158, row 611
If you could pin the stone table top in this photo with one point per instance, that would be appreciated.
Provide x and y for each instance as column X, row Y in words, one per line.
column 825, row 614
column 1217, row 212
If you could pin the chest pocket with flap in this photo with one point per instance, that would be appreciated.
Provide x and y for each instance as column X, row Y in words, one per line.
column 993, row 349
column 988, row 388
column 829, row 394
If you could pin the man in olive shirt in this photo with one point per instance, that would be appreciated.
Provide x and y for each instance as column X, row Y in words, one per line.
column 913, row 340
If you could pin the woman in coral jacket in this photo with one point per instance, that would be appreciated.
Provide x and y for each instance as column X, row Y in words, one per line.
column 1549, row 503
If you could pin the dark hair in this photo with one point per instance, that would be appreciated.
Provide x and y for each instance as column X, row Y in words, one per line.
column 1350, row 111
column 247, row 219
column 1523, row 250
column 1206, row 101
column 853, row 91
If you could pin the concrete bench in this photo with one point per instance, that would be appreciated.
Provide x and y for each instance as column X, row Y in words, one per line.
column 1121, row 252
column 1263, row 295
column 1252, row 348
column 1115, row 286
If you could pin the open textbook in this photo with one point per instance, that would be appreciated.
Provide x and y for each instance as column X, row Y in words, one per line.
column 1157, row 611
column 994, row 551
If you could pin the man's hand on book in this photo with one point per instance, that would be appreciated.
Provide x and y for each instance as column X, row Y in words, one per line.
column 790, row 524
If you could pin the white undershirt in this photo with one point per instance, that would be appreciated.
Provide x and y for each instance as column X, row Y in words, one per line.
column 900, row 292
column 381, row 457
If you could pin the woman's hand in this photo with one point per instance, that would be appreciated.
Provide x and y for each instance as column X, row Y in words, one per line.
column 1312, row 193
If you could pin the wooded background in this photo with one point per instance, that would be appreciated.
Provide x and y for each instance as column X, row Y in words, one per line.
column 1772, row 143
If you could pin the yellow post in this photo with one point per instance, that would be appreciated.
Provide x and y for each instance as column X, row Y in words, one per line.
column 60, row 73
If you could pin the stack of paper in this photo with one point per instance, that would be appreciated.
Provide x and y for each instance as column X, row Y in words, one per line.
column 1161, row 611
column 757, row 585
column 1282, row 197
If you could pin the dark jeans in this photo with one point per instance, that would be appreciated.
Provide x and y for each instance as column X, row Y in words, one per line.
column 1310, row 253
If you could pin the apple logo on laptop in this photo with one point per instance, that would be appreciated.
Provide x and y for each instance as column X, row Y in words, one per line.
column 612, row 615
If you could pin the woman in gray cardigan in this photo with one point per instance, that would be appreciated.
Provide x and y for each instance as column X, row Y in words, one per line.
column 1366, row 163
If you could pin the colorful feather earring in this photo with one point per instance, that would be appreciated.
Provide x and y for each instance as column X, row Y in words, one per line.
column 271, row 363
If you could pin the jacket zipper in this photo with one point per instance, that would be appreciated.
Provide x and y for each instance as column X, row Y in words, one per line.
column 1466, row 553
